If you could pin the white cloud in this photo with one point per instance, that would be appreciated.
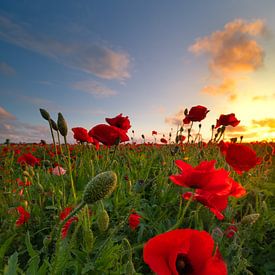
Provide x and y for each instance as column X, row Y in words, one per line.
column 92, row 58
column 176, row 119
column 93, row 88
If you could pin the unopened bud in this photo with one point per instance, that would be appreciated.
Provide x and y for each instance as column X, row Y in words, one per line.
column 62, row 125
column 103, row 220
column 250, row 219
column 54, row 125
column 99, row 187
column 45, row 114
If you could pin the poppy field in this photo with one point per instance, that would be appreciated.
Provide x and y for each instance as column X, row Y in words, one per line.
column 109, row 205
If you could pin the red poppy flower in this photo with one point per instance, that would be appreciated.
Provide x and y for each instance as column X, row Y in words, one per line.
column 81, row 134
column 29, row 159
column 183, row 251
column 204, row 176
column 240, row 157
column 108, row 135
column 163, row 140
column 230, row 231
column 225, row 120
column 134, row 220
column 154, row 133
column 67, row 225
column 24, row 216
column 196, row 113
column 120, row 122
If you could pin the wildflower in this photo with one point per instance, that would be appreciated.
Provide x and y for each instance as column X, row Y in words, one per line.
column 29, row 159
column 196, row 113
column 134, row 220
column 240, row 157
column 24, row 216
column 67, row 225
column 120, row 122
column 108, row 135
column 184, row 251
column 204, row 176
column 230, row 231
column 225, row 120
column 163, row 140
column 81, row 134
column 154, row 133
column 58, row 171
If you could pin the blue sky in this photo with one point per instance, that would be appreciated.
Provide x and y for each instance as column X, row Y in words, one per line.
column 146, row 59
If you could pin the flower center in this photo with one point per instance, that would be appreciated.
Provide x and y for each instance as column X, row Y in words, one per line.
column 183, row 265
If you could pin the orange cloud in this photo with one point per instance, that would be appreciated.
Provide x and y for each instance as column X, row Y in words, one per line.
column 267, row 122
column 231, row 51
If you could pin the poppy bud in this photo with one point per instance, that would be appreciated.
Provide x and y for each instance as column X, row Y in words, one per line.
column 103, row 220
column 88, row 239
column 99, row 187
column 45, row 114
column 62, row 125
column 54, row 125
column 250, row 219
column 186, row 111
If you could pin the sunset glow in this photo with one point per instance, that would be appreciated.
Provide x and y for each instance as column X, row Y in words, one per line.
column 147, row 60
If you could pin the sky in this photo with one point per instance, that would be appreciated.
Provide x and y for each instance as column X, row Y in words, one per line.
column 148, row 60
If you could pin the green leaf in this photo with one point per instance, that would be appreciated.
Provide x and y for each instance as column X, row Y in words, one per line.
column 4, row 248
column 12, row 265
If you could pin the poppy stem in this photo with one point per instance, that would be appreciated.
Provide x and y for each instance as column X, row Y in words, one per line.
column 181, row 218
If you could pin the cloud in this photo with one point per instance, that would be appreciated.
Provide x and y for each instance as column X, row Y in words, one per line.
column 267, row 122
column 99, row 60
column 5, row 115
column 237, row 129
column 93, row 88
column 6, row 69
column 17, row 131
column 231, row 51
column 175, row 119
column 264, row 97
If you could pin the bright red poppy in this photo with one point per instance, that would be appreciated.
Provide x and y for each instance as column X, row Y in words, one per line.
column 134, row 220
column 196, row 113
column 154, row 133
column 120, row 122
column 230, row 231
column 29, row 159
column 184, row 251
column 225, row 120
column 240, row 157
column 24, row 216
column 67, row 225
column 81, row 134
column 214, row 202
column 108, row 135
column 204, row 176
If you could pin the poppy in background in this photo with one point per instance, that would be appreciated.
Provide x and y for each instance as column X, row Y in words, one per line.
column 120, row 122
column 240, row 157
column 226, row 120
column 134, row 220
column 81, row 135
column 184, row 251
column 196, row 113
column 67, row 225
column 24, row 216
column 29, row 159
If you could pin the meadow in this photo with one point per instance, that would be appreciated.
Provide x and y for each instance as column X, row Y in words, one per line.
column 172, row 206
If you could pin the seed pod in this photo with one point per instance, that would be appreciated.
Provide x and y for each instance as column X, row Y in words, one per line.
column 103, row 221
column 62, row 125
column 99, row 187
column 45, row 114
column 88, row 239
column 250, row 219
column 54, row 125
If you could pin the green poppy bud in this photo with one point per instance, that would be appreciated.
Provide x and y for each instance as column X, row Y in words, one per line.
column 62, row 125
column 45, row 114
column 250, row 219
column 103, row 221
column 99, row 187
column 54, row 125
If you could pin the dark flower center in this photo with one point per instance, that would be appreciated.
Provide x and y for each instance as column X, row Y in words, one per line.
column 183, row 265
